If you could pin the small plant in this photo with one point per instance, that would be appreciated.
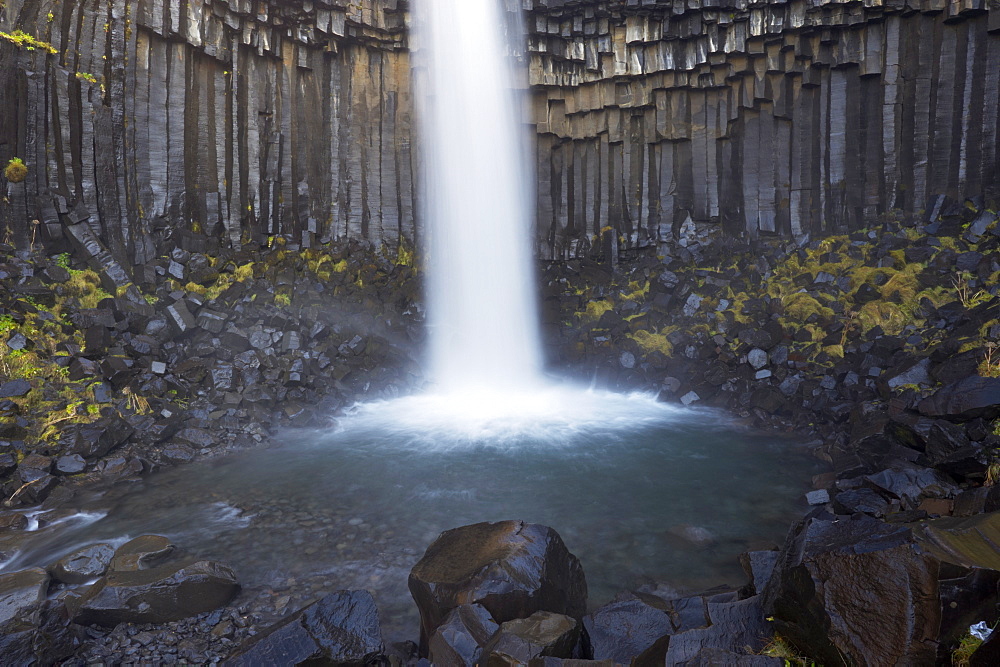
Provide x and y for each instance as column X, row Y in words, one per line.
column 16, row 170
column 84, row 76
column 965, row 293
column 282, row 300
column 966, row 647
column 136, row 403
column 779, row 647
column 990, row 365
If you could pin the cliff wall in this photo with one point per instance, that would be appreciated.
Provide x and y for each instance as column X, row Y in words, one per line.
column 228, row 119
column 231, row 120
column 797, row 117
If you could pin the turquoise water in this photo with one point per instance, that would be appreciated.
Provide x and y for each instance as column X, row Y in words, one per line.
column 641, row 493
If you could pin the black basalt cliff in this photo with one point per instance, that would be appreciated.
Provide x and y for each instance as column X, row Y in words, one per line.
column 239, row 120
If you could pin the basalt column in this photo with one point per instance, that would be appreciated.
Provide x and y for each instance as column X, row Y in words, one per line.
column 767, row 118
column 221, row 121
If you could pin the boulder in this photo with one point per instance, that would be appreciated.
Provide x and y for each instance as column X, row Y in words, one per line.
column 638, row 626
column 460, row 638
column 142, row 553
column 341, row 628
column 511, row 568
column 33, row 631
column 14, row 388
column 738, row 627
column 542, row 634
column 964, row 400
column 758, row 565
column 911, row 483
column 21, row 592
column 859, row 591
column 83, row 564
column 147, row 583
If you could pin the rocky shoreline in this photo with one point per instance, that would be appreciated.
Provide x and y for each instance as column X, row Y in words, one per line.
column 877, row 347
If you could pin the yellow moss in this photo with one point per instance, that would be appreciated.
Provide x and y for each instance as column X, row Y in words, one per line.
column 85, row 285
column 800, row 306
column 404, row 255
column 936, row 295
column 282, row 299
column 652, row 342
column 950, row 243
column 340, row 266
column 244, row 272
column 861, row 275
column 835, row 351
column 16, row 171
column 887, row 315
column 637, row 292
column 595, row 309
column 221, row 284
column 195, row 288
column 904, row 282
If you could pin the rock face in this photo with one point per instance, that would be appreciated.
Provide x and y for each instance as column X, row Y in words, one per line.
column 223, row 118
column 237, row 120
column 511, row 568
column 791, row 117
column 855, row 590
column 342, row 628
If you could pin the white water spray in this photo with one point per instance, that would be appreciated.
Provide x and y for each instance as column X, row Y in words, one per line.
column 481, row 301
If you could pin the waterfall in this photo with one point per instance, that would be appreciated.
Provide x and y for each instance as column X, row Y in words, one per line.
column 479, row 197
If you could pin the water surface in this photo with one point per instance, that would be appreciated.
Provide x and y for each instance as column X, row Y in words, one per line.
column 641, row 492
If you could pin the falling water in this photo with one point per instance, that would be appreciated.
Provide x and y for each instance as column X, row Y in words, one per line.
column 481, row 281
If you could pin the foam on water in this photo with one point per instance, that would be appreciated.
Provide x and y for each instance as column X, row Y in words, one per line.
column 554, row 416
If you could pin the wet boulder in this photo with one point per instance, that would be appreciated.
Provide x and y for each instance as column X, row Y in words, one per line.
column 856, row 590
column 543, row 634
column 341, row 628
column 638, row 626
column 511, row 568
column 21, row 592
column 964, row 400
column 911, row 483
column 32, row 630
column 460, row 638
column 734, row 626
column 148, row 582
column 83, row 564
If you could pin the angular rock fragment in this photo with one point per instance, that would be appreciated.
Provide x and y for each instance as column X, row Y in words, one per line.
column 341, row 628
column 83, row 565
column 460, row 638
column 543, row 634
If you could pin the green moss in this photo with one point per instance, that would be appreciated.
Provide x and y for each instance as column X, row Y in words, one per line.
column 891, row 317
column 282, row 299
column 903, row 284
column 800, row 306
column 967, row 645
